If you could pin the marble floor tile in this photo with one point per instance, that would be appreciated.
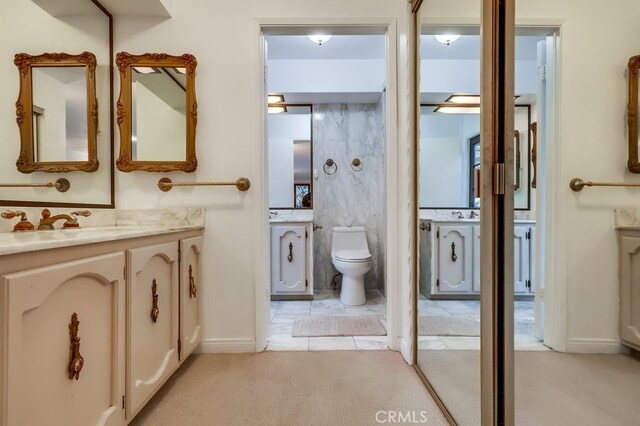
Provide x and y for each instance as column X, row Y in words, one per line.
column 327, row 304
column 284, row 342
column 332, row 344
column 430, row 342
column 361, row 310
column 460, row 342
column 338, row 312
column 371, row 342
column 281, row 325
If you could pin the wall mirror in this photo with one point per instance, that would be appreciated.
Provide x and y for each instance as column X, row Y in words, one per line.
column 57, row 112
column 56, row 115
column 290, row 149
column 450, row 152
column 157, row 112
column 633, row 163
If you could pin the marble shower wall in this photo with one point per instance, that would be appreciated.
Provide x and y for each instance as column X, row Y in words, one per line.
column 343, row 132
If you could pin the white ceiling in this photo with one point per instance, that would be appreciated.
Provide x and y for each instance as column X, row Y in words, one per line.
column 338, row 47
column 468, row 47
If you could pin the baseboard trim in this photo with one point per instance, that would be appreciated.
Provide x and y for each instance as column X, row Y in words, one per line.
column 594, row 346
column 212, row 346
column 405, row 350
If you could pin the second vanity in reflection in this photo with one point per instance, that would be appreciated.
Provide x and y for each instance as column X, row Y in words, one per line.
column 450, row 258
column 97, row 320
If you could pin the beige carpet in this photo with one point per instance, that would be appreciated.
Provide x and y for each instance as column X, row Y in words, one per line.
column 320, row 325
column 290, row 389
column 551, row 388
column 448, row 325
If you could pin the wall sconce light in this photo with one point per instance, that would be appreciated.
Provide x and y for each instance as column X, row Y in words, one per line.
column 447, row 38
column 319, row 38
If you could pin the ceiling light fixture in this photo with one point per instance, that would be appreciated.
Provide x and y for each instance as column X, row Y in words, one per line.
column 274, row 99
column 468, row 99
column 276, row 109
column 319, row 38
column 447, row 38
column 146, row 70
column 446, row 109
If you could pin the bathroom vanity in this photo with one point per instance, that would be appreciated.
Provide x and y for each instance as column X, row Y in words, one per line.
column 292, row 255
column 95, row 320
column 450, row 258
column 628, row 230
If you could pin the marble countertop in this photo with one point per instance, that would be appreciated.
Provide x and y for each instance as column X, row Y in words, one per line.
column 627, row 218
column 20, row 242
column 290, row 216
column 101, row 226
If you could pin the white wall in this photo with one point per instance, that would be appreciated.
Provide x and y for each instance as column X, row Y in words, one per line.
column 597, row 39
column 224, row 38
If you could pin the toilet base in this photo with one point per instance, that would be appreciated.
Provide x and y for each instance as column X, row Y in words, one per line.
column 352, row 293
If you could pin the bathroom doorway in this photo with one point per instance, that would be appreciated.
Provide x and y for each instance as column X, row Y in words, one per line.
column 326, row 145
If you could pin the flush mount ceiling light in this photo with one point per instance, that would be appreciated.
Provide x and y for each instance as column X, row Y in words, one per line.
column 276, row 109
column 447, row 38
column 468, row 99
column 319, row 38
column 146, row 70
column 274, row 99
column 446, row 109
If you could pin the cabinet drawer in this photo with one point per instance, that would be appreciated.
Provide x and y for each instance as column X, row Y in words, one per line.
column 39, row 306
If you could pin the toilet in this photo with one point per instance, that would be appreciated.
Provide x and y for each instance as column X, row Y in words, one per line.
column 351, row 257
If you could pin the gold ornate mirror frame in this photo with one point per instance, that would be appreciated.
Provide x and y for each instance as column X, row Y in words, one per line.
column 125, row 63
column 24, row 108
column 633, row 162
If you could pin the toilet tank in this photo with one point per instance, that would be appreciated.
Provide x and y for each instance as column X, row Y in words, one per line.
column 352, row 238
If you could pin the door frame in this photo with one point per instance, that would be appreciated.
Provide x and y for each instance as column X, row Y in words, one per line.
column 387, row 26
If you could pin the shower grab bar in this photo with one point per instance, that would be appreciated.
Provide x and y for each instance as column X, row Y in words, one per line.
column 578, row 184
column 242, row 183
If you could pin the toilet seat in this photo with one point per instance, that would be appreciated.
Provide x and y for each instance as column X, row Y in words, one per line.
column 355, row 256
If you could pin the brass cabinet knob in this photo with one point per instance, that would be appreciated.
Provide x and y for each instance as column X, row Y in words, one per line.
column 155, row 311
column 76, row 361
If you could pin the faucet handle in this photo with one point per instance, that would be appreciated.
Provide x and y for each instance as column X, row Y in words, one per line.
column 23, row 225
column 84, row 213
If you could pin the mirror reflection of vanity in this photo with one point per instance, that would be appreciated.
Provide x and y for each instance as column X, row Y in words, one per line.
column 290, row 149
column 157, row 112
column 62, row 121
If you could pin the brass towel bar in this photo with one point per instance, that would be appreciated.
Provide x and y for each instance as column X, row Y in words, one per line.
column 577, row 184
column 242, row 184
column 62, row 185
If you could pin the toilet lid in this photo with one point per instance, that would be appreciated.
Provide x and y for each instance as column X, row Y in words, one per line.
column 353, row 255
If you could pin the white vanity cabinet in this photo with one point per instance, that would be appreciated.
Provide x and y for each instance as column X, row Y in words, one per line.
column 190, row 296
column 629, row 299
column 291, row 260
column 452, row 249
column 122, row 305
column 152, row 321
column 55, row 316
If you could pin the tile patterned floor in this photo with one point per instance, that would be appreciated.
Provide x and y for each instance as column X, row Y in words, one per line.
column 326, row 302
column 524, row 318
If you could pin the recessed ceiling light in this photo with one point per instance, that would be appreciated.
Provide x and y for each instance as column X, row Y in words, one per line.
column 275, row 109
column 446, row 109
column 274, row 99
column 319, row 38
column 146, row 70
column 447, row 38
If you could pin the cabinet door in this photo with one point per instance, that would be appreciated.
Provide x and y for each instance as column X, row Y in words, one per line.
column 152, row 321
column 630, row 290
column 190, row 295
column 476, row 259
column 454, row 259
column 39, row 307
column 289, row 253
column 532, row 260
column 521, row 260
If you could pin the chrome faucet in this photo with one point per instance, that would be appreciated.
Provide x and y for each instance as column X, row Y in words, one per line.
column 460, row 215
column 473, row 214
column 71, row 219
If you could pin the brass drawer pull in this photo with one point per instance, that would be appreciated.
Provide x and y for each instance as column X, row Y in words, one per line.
column 192, row 284
column 454, row 257
column 290, row 257
column 76, row 362
column 154, row 293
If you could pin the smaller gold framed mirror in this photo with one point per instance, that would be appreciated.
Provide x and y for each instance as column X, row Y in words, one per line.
column 57, row 112
column 633, row 163
column 157, row 112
